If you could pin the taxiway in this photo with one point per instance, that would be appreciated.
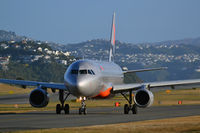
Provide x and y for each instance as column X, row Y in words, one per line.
column 95, row 116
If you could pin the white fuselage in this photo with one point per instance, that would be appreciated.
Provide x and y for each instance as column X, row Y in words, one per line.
column 89, row 78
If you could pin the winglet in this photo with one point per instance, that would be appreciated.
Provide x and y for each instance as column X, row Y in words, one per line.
column 112, row 40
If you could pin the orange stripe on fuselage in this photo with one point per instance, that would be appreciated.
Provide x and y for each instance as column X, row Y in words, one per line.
column 104, row 94
column 114, row 34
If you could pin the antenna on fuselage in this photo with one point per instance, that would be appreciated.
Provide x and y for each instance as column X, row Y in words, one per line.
column 112, row 41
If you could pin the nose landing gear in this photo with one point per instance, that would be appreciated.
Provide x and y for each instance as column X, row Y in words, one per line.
column 83, row 109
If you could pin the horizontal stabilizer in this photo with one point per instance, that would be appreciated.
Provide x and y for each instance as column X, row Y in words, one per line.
column 143, row 70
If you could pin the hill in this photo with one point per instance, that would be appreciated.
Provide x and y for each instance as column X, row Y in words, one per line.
column 10, row 36
column 32, row 60
column 182, row 57
column 24, row 58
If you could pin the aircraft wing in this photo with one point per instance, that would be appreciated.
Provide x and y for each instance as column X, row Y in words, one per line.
column 143, row 70
column 34, row 83
column 172, row 84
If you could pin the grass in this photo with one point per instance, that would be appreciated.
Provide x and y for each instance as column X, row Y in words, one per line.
column 11, row 90
column 173, row 125
column 188, row 96
column 18, row 108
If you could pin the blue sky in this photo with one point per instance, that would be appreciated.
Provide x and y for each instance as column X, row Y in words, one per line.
column 71, row 21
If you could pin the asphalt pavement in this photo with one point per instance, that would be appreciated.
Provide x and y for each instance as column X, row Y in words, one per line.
column 95, row 116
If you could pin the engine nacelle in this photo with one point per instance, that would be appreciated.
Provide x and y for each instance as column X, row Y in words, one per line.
column 143, row 98
column 39, row 98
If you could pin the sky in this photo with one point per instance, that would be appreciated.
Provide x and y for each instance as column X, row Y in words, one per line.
column 74, row 21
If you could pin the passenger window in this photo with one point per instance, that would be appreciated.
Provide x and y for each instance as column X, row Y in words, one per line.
column 83, row 71
column 74, row 71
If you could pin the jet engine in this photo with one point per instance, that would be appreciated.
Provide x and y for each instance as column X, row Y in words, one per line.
column 143, row 98
column 39, row 98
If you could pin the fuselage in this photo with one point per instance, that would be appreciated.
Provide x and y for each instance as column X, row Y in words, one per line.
column 88, row 78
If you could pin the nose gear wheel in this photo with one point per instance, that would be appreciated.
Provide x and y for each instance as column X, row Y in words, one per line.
column 83, row 109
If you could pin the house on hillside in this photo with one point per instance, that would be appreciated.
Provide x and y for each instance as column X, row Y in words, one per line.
column 4, row 61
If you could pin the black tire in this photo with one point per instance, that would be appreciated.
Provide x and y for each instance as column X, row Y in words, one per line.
column 84, row 111
column 126, row 109
column 66, row 108
column 80, row 111
column 58, row 109
column 134, row 109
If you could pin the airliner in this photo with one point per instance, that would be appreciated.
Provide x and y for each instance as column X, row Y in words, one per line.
column 97, row 79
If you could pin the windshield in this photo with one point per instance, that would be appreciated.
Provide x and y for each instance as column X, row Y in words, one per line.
column 74, row 71
column 84, row 71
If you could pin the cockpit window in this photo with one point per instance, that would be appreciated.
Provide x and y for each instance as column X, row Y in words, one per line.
column 83, row 71
column 74, row 71
column 91, row 72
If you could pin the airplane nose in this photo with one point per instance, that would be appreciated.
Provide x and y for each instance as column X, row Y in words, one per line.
column 79, row 86
column 77, row 82
column 82, row 86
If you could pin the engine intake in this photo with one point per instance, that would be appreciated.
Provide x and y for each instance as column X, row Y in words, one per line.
column 39, row 98
column 143, row 98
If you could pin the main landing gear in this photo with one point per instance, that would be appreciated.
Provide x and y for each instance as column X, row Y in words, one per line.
column 83, row 109
column 130, row 106
column 62, row 106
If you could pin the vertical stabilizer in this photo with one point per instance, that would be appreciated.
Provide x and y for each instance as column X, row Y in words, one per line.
column 112, row 41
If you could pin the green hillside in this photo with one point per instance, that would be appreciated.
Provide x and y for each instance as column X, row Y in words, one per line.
column 31, row 60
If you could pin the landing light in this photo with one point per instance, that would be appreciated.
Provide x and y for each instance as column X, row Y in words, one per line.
column 80, row 98
column 84, row 98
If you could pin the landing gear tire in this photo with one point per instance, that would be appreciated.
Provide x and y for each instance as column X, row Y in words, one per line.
column 134, row 109
column 58, row 109
column 62, row 97
column 130, row 106
column 82, row 111
column 66, row 108
column 126, row 109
